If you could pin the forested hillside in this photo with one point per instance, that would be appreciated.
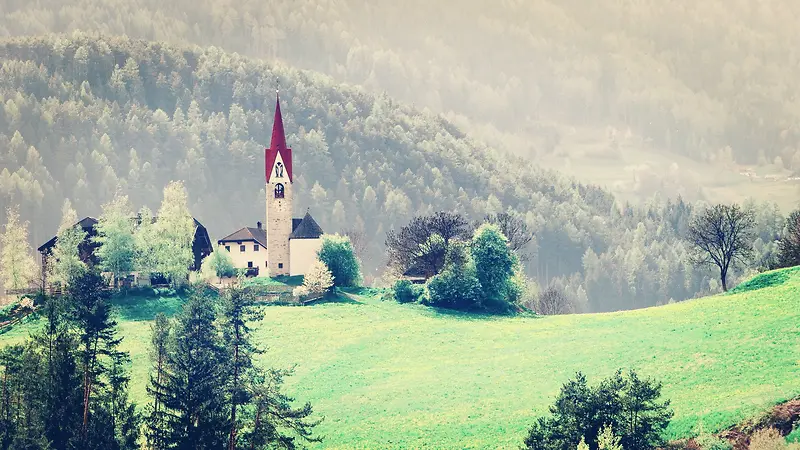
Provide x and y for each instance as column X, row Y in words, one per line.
column 691, row 77
column 85, row 114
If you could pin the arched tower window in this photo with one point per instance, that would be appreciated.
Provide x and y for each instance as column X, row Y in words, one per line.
column 279, row 170
column 278, row 190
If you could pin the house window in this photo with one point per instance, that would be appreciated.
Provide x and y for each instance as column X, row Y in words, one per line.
column 278, row 190
column 228, row 247
column 280, row 265
column 255, row 248
column 242, row 248
column 249, row 264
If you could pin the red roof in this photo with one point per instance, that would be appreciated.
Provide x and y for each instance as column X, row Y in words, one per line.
column 278, row 145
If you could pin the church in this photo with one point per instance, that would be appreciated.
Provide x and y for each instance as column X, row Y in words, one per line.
column 282, row 245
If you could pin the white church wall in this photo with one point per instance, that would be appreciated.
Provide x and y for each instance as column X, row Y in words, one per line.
column 241, row 258
column 302, row 253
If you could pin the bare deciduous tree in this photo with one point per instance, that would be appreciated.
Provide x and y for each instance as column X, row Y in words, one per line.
column 423, row 242
column 553, row 301
column 722, row 236
column 515, row 230
column 358, row 239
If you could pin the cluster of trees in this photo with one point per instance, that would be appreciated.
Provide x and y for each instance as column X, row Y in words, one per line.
column 620, row 412
column 694, row 88
column 85, row 115
column 206, row 390
column 67, row 386
column 124, row 243
column 465, row 268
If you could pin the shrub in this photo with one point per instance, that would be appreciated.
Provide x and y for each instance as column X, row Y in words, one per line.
column 300, row 292
column 318, row 279
column 581, row 411
column 708, row 441
column 494, row 265
column 406, row 291
column 457, row 287
column 337, row 253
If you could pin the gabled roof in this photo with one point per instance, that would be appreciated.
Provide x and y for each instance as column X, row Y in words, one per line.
column 247, row 234
column 87, row 224
column 278, row 145
column 307, row 228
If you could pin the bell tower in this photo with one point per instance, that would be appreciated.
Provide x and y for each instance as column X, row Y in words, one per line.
column 278, row 166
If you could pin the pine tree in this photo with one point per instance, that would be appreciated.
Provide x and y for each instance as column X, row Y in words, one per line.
column 91, row 314
column 275, row 422
column 115, row 236
column 17, row 266
column 157, row 419
column 63, row 383
column 192, row 391
column 238, row 310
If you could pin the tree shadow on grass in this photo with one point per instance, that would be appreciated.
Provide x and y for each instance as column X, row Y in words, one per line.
column 475, row 316
column 138, row 308
column 341, row 298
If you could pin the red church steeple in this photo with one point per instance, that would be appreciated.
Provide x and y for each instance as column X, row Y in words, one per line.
column 278, row 145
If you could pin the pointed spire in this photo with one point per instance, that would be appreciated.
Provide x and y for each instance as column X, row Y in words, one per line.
column 278, row 135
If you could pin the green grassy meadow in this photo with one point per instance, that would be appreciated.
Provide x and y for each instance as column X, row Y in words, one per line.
column 387, row 375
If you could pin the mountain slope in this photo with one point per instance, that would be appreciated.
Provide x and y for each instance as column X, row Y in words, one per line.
column 386, row 375
column 85, row 114
column 533, row 75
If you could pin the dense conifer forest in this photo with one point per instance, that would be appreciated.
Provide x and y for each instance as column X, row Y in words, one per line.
column 693, row 78
column 84, row 114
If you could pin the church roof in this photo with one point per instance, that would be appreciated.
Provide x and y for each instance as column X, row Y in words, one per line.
column 247, row 234
column 307, row 228
column 278, row 145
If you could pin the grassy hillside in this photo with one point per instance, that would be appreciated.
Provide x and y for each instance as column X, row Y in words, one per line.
column 402, row 376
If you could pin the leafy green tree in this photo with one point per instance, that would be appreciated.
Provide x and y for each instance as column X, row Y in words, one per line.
column 67, row 261
column 114, row 227
column 17, row 266
column 175, row 230
column 457, row 286
column 337, row 254
column 218, row 264
column 495, row 262
column 145, row 242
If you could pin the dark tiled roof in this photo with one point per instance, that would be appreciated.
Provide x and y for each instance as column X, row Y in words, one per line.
column 87, row 224
column 248, row 234
column 306, row 229
column 295, row 223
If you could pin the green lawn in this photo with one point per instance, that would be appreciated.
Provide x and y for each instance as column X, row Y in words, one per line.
column 386, row 375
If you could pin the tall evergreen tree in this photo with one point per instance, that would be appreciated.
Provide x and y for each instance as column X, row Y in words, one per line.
column 157, row 419
column 96, row 329
column 238, row 310
column 192, row 391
